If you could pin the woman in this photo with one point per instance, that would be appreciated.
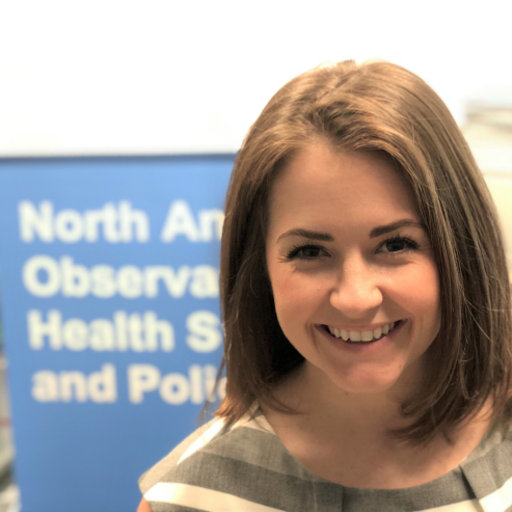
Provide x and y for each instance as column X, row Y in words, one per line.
column 366, row 304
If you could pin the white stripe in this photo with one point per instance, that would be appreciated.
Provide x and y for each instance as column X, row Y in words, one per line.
column 260, row 423
column 500, row 499
column 202, row 499
column 460, row 506
column 203, row 440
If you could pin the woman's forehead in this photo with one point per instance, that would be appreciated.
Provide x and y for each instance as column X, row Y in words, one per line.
column 329, row 187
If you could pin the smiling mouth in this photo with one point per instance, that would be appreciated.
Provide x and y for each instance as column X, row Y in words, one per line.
column 368, row 336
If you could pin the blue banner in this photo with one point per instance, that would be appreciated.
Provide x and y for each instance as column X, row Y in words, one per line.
column 109, row 280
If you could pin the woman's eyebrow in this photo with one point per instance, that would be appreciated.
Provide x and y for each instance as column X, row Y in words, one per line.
column 306, row 233
column 326, row 237
column 388, row 228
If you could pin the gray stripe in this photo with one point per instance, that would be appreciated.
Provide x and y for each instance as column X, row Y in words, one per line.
column 259, row 448
column 250, row 482
column 265, row 451
column 449, row 489
column 287, row 492
column 157, row 472
column 165, row 507
column 255, row 466
column 492, row 469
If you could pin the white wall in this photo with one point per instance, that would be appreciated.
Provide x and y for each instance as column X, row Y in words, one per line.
column 178, row 76
column 160, row 76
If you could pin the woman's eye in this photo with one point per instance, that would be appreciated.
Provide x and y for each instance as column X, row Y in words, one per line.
column 305, row 252
column 398, row 244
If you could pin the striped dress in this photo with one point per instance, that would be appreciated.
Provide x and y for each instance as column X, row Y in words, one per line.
column 246, row 468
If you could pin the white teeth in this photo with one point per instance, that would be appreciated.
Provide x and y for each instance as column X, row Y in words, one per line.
column 362, row 336
column 355, row 336
column 367, row 336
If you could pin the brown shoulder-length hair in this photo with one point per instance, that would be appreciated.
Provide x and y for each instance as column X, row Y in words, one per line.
column 377, row 107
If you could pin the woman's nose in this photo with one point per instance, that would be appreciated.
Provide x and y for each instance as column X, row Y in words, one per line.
column 357, row 291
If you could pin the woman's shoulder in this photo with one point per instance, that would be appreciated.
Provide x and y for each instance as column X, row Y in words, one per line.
column 243, row 465
column 190, row 448
column 488, row 469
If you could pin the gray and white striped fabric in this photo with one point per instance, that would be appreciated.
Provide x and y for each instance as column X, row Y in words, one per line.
column 245, row 468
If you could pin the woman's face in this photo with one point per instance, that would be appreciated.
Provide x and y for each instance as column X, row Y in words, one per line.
column 355, row 285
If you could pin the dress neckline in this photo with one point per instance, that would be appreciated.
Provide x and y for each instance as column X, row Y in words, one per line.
column 491, row 440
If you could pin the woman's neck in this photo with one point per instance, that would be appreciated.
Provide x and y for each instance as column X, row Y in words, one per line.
column 314, row 396
column 348, row 439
